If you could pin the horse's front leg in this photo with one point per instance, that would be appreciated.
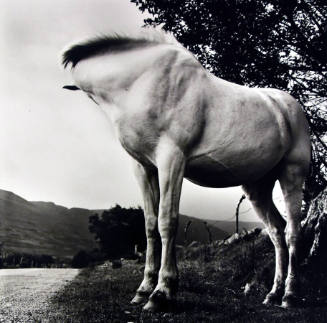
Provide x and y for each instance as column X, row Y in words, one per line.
column 148, row 182
column 171, row 163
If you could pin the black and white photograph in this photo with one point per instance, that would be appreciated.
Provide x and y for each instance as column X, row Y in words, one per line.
column 163, row 161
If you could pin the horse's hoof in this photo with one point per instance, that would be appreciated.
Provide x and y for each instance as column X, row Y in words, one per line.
column 151, row 307
column 158, row 302
column 290, row 301
column 273, row 299
column 140, row 298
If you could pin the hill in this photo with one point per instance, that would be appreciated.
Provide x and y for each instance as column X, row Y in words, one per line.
column 47, row 228
column 229, row 226
column 197, row 230
column 42, row 227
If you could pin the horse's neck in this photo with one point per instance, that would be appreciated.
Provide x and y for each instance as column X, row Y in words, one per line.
column 112, row 74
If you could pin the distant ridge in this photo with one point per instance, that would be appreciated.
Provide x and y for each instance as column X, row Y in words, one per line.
column 229, row 226
column 42, row 227
column 47, row 228
column 197, row 230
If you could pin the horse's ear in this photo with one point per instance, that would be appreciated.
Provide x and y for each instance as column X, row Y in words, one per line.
column 71, row 87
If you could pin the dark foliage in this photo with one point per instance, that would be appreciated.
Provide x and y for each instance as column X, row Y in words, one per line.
column 266, row 43
column 118, row 230
column 314, row 244
column 88, row 258
column 15, row 260
column 81, row 259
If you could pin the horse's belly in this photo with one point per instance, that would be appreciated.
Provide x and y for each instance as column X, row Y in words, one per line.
column 214, row 180
column 207, row 172
column 211, row 172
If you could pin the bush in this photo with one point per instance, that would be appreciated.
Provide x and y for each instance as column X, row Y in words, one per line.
column 81, row 259
column 118, row 230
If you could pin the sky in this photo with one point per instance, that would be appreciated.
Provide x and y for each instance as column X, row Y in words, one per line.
column 57, row 145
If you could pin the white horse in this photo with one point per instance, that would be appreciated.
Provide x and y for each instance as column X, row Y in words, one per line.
column 177, row 120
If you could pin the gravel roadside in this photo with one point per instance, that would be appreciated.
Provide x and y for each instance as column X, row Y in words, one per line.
column 24, row 293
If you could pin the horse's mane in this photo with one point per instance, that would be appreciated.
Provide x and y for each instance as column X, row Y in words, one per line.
column 114, row 43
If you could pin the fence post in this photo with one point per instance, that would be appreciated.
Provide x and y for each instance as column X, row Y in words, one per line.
column 237, row 211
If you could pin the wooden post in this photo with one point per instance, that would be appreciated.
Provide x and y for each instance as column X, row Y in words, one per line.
column 187, row 226
column 209, row 232
column 237, row 211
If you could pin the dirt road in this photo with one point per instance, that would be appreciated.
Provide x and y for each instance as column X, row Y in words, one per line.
column 25, row 292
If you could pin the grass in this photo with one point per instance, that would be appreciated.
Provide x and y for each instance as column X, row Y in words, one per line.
column 212, row 279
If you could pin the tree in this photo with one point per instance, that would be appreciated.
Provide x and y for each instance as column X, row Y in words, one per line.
column 81, row 259
column 118, row 230
column 266, row 43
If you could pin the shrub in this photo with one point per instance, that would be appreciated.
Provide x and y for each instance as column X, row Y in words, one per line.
column 81, row 259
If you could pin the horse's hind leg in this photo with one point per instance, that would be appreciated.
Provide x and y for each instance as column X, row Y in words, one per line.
column 260, row 195
column 291, row 179
column 148, row 182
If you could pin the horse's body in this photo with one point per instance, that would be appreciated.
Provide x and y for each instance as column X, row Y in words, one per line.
column 177, row 120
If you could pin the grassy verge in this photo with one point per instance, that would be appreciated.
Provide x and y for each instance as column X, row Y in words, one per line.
column 211, row 282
